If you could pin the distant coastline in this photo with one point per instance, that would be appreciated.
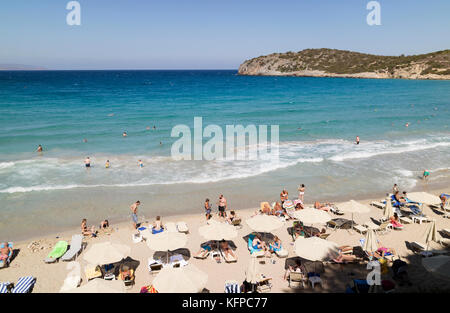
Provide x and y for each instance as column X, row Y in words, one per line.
column 349, row 64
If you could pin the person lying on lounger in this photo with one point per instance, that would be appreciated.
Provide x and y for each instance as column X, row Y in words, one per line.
column 323, row 207
column 299, row 206
column 299, row 231
column 205, row 250
column 398, row 198
column 296, row 268
column 257, row 243
column 394, row 220
column 5, row 251
column 383, row 251
column 226, row 249
column 275, row 245
column 344, row 257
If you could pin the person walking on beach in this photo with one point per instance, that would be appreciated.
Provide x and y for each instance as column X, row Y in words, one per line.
column 140, row 163
column 301, row 192
column 39, row 149
column 134, row 211
column 357, row 140
column 87, row 162
column 395, row 189
column 207, row 209
column 425, row 175
column 222, row 205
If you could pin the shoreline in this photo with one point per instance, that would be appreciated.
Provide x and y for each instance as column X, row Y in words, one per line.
column 435, row 188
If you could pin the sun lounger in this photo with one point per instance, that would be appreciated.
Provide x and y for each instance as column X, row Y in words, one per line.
column 228, row 258
column 202, row 255
column 339, row 223
column 264, row 285
column 170, row 227
column 24, row 284
column 283, row 253
column 383, row 227
column 92, row 271
column 76, row 245
column 154, row 266
column 360, row 228
column 336, row 211
column 257, row 252
column 182, row 227
column 296, row 277
column 232, row 286
column 4, row 287
column 5, row 263
column 378, row 204
column 420, row 219
column 324, row 236
column 58, row 251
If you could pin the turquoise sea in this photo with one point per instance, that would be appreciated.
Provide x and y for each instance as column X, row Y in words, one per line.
column 44, row 193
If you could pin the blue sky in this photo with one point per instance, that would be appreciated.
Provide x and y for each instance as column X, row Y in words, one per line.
column 210, row 34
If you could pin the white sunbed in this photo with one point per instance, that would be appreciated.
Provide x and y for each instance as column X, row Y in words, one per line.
column 76, row 245
column 378, row 204
column 283, row 253
column 182, row 227
column 360, row 228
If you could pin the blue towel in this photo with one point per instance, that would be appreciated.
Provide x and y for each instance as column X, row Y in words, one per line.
column 4, row 287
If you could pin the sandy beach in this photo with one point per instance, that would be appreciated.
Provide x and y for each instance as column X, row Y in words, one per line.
column 50, row 277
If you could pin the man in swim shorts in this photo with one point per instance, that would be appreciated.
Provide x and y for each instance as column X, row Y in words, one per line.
column 426, row 173
column 134, row 211
column 87, row 162
column 222, row 205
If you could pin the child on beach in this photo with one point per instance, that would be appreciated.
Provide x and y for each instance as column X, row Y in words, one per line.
column 107, row 165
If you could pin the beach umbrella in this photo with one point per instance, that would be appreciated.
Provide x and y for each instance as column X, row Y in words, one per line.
column 264, row 223
column 266, row 237
column 166, row 241
column 424, row 197
column 129, row 262
column 439, row 265
column 315, row 248
column 99, row 285
column 252, row 274
column 210, row 243
column 166, row 255
column 217, row 231
column 352, row 207
column 186, row 279
column 370, row 242
column 431, row 233
column 312, row 216
column 106, row 253
column 388, row 211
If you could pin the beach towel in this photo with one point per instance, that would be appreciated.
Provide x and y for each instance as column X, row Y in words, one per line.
column 24, row 284
column 232, row 287
column 58, row 251
column 154, row 231
column 4, row 287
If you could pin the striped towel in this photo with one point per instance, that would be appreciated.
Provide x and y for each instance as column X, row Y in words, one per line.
column 24, row 284
column 4, row 287
column 232, row 288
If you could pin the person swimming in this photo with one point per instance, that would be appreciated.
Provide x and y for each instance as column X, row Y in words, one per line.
column 357, row 140
column 39, row 149
column 124, row 134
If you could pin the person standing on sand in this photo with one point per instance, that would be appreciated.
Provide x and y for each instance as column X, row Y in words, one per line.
column 134, row 211
column 283, row 196
column 107, row 165
column 301, row 192
column 140, row 163
column 357, row 140
column 222, row 205
column 425, row 175
column 87, row 162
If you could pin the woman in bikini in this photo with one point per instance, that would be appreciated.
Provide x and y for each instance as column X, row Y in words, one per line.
column 85, row 231
column 301, row 192
column 207, row 207
column 394, row 220
column 257, row 243
column 157, row 226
